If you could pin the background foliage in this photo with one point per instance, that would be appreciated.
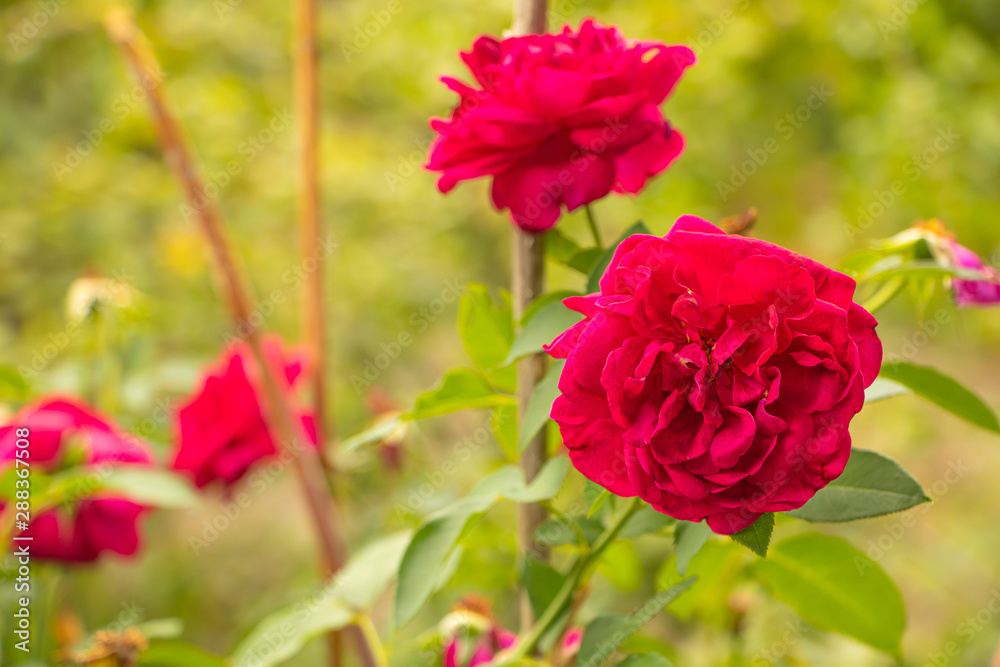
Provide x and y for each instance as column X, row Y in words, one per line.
column 892, row 76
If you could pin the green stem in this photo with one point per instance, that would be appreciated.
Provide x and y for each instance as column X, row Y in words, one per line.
column 884, row 295
column 367, row 628
column 565, row 595
column 593, row 225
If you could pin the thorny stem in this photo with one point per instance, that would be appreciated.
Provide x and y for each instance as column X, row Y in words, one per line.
column 527, row 284
column 236, row 293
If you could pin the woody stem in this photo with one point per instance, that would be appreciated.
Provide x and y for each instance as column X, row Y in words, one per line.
column 236, row 292
column 527, row 284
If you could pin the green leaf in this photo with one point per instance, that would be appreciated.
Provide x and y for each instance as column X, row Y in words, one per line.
column 557, row 531
column 485, row 327
column 542, row 581
column 370, row 570
column 596, row 497
column 645, row 521
column 546, row 484
column 177, row 654
column 560, row 247
column 943, row 391
column 645, row 660
column 757, row 535
column 555, row 296
column 425, row 558
column 434, row 543
column 584, row 260
column 153, row 487
column 860, row 261
column 376, row 433
column 504, row 425
column 871, row 485
column 883, row 388
column 598, row 503
column 835, row 587
column 536, row 413
column 281, row 635
column 566, row 251
column 459, row 389
column 605, row 634
column 593, row 280
column 688, row 539
column 543, row 327
column 914, row 269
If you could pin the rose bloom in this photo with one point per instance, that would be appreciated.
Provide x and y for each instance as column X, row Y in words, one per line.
column 560, row 119
column 714, row 376
column 220, row 431
column 63, row 434
column 985, row 292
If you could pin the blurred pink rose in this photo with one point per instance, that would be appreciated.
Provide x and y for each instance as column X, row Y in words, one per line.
column 221, row 432
column 65, row 433
column 985, row 292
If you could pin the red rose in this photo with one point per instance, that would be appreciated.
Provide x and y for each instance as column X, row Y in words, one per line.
column 560, row 119
column 714, row 376
column 221, row 430
column 64, row 433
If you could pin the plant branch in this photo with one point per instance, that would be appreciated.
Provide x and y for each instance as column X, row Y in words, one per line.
column 564, row 597
column 527, row 284
column 236, row 292
column 310, row 226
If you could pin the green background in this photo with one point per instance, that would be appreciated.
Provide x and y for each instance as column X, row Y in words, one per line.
column 899, row 74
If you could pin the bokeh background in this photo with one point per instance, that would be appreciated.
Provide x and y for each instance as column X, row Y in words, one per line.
column 854, row 94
